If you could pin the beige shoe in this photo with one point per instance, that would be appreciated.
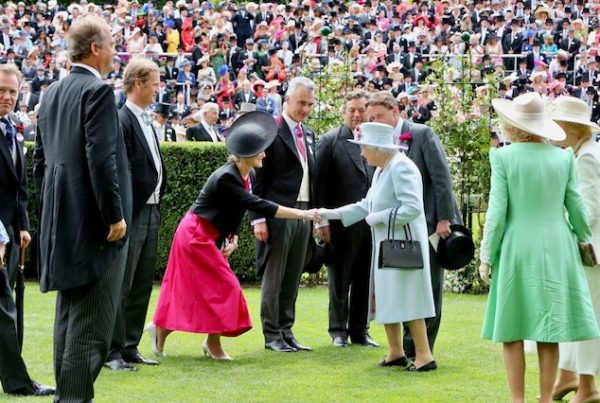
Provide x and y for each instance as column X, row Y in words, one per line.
column 151, row 329
column 208, row 353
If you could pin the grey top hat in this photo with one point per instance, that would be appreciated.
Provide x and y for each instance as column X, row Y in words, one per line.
column 251, row 134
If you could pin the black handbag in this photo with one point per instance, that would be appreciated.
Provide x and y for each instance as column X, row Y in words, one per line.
column 399, row 253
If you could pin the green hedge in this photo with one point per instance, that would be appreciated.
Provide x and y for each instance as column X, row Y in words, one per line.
column 188, row 167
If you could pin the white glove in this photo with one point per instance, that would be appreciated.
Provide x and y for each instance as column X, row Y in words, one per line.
column 376, row 218
column 485, row 271
column 330, row 214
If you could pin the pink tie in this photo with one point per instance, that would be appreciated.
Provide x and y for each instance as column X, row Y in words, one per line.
column 300, row 142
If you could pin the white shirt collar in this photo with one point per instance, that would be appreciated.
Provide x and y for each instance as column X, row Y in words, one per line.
column 291, row 122
column 137, row 111
column 88, row 68
column 399, row 125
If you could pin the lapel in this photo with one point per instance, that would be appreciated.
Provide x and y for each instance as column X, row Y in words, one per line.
column 205, row 133
column 140, row 134
column 405, row 128
column 309, row 145
column 6, row 153
column 287, row 136
column 353, row 150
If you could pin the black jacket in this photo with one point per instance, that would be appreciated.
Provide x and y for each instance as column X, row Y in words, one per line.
column 13, row 188
column 83, row 181
column 280, row 179
column 198, row 133
column 144, row 175
column 224, row 200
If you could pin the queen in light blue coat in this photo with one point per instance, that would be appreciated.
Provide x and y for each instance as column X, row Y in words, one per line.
column 396, row 295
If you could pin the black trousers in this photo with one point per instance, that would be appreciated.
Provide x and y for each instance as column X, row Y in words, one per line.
column 13, row 372
column 137, row 283
column 81, row 339
column 348, row 280
column 433, row 324
column 281, row 279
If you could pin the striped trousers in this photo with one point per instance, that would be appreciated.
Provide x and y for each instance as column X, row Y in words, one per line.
column 85, row 317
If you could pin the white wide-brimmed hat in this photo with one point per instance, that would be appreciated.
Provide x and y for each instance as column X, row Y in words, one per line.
column 527, row 112
column 376, row 135
column 573, row 110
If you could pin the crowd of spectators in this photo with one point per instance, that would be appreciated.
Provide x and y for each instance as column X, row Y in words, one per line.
column 229, row 55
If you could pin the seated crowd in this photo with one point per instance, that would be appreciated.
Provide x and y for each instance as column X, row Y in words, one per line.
column 229, row 54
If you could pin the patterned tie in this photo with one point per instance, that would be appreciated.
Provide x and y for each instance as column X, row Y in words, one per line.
column 10, row 134
column 300, row 142
column 146, row 118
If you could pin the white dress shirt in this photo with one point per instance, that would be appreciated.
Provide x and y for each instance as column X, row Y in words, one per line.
column 152, row 145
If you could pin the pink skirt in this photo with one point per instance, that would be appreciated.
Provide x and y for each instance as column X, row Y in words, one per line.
column 200, row 293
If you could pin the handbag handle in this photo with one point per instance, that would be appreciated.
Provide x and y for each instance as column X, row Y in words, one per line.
column 392, row 228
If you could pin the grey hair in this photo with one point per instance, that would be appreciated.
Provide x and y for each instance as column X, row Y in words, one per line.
column 298, row 82
column 382, row 150
column 207, row 107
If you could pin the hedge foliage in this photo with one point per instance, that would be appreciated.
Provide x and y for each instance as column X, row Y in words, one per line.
column 188, row 167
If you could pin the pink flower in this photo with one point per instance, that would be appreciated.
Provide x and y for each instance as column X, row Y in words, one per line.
column 461, row 118
column 406, row 137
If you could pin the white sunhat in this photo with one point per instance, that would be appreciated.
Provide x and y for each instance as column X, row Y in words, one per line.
column 573, row 110
column 376, row 135
column 527, row 112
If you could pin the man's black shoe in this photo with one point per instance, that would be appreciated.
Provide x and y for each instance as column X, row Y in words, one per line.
column 294, row 343
column 364, row 340
column 137, row 358
column 36, row 389
column 279, row 346
column 339, row 341
column 119, row 364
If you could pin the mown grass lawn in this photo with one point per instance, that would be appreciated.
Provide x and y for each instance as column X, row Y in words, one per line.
column 470, row 369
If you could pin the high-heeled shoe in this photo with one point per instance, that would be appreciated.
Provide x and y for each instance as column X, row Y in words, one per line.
column 151, row 329
column 558, row 394
column 209, row 354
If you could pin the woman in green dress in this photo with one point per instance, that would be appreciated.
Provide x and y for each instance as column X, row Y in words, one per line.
column 538, row 289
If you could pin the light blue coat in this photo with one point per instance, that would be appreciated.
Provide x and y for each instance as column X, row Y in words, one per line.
column 399, row 295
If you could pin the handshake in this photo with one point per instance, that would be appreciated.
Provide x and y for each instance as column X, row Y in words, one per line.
column 372, row 219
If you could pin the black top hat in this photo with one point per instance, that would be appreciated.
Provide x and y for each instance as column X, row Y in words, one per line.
column 457, row 250
column 316, row 256
column 251, row 133
column 163, row 108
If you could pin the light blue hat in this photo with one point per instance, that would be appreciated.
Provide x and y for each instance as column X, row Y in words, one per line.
column 376, row 135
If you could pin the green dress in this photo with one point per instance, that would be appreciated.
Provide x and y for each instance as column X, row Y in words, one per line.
column 539, row 290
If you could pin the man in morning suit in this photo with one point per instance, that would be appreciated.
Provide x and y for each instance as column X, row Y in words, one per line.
column 83, row 186
column 141, row 80
column 427, row 152
column 13, row 214
column 287, row 178
column 205, row 130
column 343, row 177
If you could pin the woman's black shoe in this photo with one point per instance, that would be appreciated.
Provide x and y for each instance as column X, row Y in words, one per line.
column 398, row 362
column 430, row 366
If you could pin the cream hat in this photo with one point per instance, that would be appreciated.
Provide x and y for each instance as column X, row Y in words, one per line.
column 573, row 110
column 246, row 107
column 376, row 135
column 527, row 112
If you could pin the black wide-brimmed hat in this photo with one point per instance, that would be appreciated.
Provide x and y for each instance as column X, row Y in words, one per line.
column 457, row 250
column 251, row 133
